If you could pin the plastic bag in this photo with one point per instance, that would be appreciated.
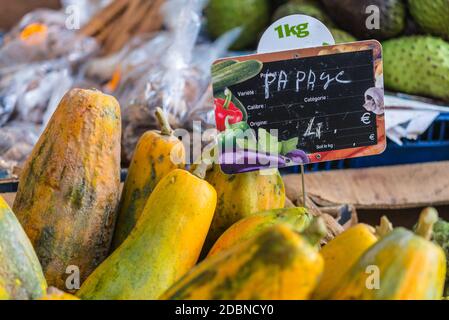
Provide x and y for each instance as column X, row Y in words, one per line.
column 43, row 35
column 176, row 75
column 29, row 90
column 86, row 9
column 37, row 61
column 16, row 142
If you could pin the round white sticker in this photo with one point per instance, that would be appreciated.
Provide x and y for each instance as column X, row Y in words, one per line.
column 297, row 31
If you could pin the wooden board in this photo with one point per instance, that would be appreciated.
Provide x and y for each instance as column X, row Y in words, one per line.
column 395, row 187
column 9, row 198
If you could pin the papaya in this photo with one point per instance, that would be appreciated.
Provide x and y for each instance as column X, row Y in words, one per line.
column 162, row 247
column 21, row 276
column 56, row 294
column 152, row 160
column 69, row 188
column 276, row 264
column 341, row 253
column 240, row 195
column 297, row 218
column 402, row 265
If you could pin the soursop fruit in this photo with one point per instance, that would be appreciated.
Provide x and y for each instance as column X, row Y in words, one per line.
column 311, row 2
column 417, row 65
column 252, row 15
column 307, row 9
column 353, row 16
column 341, row 36
column 431, row 15
column 441, row 237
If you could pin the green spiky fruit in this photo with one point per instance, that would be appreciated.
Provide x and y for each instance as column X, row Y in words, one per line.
column 277, row 3
column 307, row 9
column 341, row 36
column 417, row 65
column 431, row 15
column 441, row 237
column 311, row 2
column 252, row 15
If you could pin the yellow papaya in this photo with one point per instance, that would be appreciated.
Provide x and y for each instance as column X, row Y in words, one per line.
column 152, row 160
column 276, row 264
column 401, row 266
column 341, row 253
column 69, row 187
column 240, row 195
column 297, row 218
column 56, row 294
column 21, row 276
column 163, row 246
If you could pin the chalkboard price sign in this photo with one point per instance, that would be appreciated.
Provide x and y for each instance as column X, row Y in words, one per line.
column 299, row 106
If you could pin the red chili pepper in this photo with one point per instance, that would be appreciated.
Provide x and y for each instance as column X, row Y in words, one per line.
column 224, row 108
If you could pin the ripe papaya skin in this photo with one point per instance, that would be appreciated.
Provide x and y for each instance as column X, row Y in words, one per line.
column 410, row 268
column 277, row 264
column 150, row 163
column 163, row 246
column 240, row 195
column 341, row 253
column 251, row 226
column 69, row 187
column 21, row 276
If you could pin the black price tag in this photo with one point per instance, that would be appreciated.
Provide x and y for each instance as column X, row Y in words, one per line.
column 302, row 106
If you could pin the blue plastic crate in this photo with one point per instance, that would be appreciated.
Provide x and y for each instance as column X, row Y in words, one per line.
column 432, row 145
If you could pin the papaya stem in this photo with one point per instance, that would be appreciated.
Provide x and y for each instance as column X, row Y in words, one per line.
column 316, row 231
column 166, row 129
column 427, row 218
column 201, row 170
column 384, row 228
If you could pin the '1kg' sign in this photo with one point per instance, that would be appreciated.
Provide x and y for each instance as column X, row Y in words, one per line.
column 299, row 106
